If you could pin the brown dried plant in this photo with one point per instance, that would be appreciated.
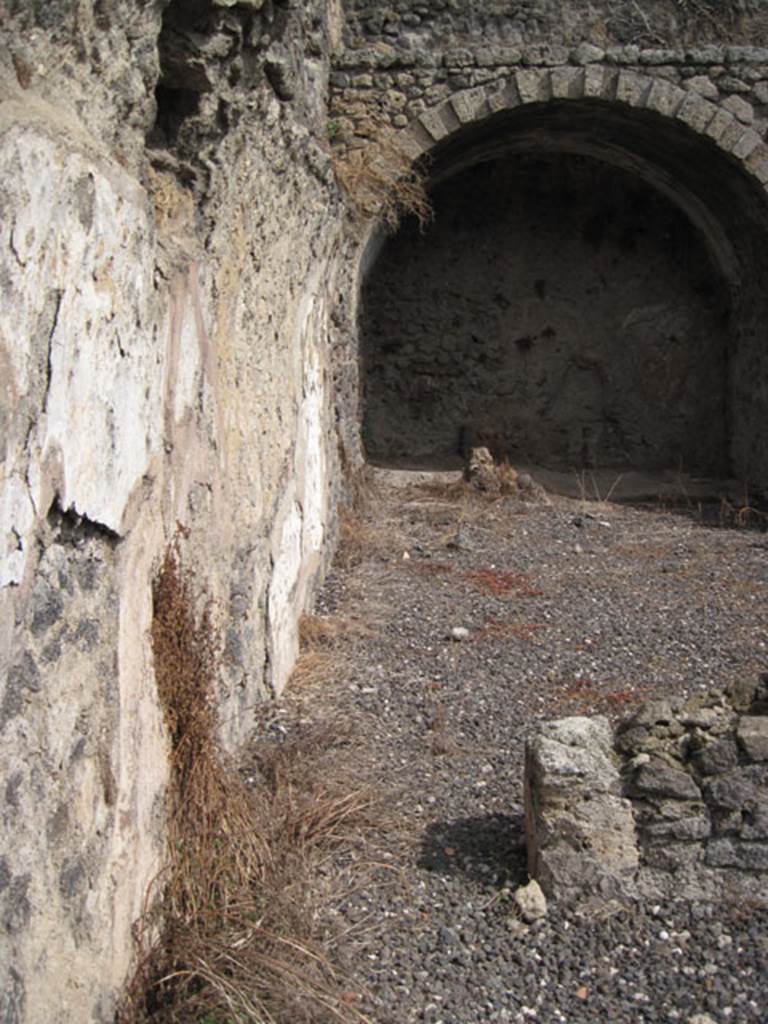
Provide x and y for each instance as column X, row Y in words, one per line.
column 229, row 935
column 381, row 181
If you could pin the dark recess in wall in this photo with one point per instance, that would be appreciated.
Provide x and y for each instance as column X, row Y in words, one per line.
column 560, row 311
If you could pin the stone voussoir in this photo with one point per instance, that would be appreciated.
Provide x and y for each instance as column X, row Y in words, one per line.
column 632, row 88
column 534, row 85
column 470, row 104
column 665, row 98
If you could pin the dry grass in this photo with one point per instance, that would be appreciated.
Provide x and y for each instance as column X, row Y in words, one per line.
column 590, row 495
column 322, row 640
column 585, row 696
column 381, row 181
column 323, row 632
column 174, row 205
column 686, row 21
column 362, row 537
column 230, row 935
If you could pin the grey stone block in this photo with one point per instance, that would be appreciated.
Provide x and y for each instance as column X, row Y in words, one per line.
column 752, row 737
column 580, row 831
column 660, row 779
column 719, row 756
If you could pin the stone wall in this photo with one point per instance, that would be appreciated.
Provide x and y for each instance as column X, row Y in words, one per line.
column 170, row 237
column 424, row 24
column 673, row 803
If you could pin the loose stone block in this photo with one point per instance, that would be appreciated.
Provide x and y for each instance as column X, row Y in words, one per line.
column 752, row 736
column 531, row 901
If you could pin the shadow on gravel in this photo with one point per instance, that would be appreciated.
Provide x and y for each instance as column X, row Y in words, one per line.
column 485, row 849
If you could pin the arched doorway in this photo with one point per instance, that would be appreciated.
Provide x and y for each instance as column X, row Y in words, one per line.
column 590, row 294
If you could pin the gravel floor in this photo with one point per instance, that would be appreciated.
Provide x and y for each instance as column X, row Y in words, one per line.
column 569, row 607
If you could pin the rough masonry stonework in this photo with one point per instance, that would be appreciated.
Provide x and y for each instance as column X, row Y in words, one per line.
column 671, row 804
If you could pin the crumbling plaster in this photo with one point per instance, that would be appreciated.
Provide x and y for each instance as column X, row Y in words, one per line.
column 164, row 346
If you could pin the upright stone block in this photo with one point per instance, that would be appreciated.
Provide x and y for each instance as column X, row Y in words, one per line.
column 431, row 121
column 580, row 829
column 506, row 98
column 567, row 83
column 696, row 111
column 747, row 144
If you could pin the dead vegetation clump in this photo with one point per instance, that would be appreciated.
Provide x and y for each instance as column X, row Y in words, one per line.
column 380, row 180
column 322, row 638
column 230, row 934
column 649, row 23
column 363, row 536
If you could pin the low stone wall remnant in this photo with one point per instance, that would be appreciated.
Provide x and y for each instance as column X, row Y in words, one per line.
column 673, row 802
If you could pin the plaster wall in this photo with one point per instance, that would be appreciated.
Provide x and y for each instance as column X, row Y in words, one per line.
column 164, row 358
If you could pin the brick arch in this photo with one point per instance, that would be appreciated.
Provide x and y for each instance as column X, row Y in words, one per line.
column 594, row 82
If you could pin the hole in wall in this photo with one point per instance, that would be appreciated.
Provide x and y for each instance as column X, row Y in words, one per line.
column 174, row 106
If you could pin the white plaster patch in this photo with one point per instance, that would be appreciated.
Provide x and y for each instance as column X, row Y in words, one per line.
column 186, row 382
column 76, row 320
column 283, row 615
column 311, row 447
column 17, row 516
